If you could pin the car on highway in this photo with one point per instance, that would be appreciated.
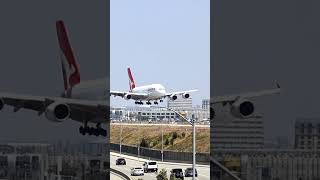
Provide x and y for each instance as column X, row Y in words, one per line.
column 138, row 171
column 176, row 174
column 189, row 172
column 120, row 161
column 150, row 166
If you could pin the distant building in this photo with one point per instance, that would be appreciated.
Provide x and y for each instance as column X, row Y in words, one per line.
column 143, row 113
column 205, row 103
column 117, row 113
column 238, row 134
column 307, row 133
column 180, row 103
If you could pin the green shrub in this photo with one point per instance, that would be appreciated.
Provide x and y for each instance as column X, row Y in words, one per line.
column 144, row 143
column 162, row 175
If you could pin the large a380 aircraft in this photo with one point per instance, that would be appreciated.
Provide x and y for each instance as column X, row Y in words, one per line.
column 152, row 92
column 83, row 102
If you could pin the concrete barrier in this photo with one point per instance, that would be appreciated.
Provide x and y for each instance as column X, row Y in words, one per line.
column 123, row 175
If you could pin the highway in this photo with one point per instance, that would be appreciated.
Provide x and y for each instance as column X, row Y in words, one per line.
column 203, row 170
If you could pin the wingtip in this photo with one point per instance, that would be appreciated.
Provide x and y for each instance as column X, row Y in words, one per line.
column 278, row 85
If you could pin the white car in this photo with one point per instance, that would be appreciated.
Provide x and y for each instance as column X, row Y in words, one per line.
column 137, row 172
column 150, row 166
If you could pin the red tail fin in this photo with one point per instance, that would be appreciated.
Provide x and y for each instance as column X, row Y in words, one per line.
column 132, row 84
column 70, row 68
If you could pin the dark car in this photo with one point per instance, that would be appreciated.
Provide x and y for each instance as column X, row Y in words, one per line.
column 176, row 173
column 189, row 172
column 120, row 161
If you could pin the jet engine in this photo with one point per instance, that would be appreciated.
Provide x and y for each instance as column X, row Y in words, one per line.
column 173, row 97
column 185, row 95
column 127, row 96
column 242, row 108
column 57, row 112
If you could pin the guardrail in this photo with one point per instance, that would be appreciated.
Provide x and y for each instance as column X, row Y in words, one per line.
column 120, row 174
column 155, row 154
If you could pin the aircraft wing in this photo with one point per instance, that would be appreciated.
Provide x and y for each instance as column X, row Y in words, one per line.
column 80, row 110
column 135, row 96
column 181, row 92
column 233, row 98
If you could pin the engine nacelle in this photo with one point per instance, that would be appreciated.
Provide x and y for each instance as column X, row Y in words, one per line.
column 173, row 97
column 127, row 96
column 242, row 108
column 1, row 104
column 185, row 95
column 57, row 112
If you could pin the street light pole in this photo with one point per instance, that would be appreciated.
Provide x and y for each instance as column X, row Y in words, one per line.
column 192, row 122
column 120, row 135
column 162, row 142
column 193, row 149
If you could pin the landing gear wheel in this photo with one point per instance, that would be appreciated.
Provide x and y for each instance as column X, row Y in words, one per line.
column 103, row 132
column 96, row 132
column 82, row 130
column 91, row 131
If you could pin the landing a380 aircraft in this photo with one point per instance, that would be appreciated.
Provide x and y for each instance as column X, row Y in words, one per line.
column 152, row 92
column 83, row 102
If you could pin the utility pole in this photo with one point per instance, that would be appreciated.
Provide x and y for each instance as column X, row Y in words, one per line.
column 120, row 135
column 162, row 142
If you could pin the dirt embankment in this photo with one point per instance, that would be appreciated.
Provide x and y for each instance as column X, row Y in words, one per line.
column 177, row 138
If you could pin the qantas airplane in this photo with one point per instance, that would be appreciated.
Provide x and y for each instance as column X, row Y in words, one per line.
column 152, row 92
column 83, row 102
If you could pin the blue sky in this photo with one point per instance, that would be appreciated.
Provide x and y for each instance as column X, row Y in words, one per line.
column 164, row 41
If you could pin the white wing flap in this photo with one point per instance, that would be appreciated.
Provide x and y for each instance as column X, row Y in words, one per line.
column 181, row 92
column 231, row 98
column 135, row 96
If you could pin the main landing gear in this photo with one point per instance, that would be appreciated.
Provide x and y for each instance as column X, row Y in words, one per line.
column 139, row 102
column 98, row 131
column 148, row 102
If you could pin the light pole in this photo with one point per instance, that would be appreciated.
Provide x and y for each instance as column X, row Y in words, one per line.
column 192, row 122
column 162, row 142
column 120, row 135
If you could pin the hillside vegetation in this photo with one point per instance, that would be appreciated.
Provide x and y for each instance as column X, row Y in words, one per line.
column 175, row 138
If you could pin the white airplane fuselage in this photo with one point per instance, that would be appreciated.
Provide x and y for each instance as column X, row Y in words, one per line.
column 154, row 91
column 90, row 90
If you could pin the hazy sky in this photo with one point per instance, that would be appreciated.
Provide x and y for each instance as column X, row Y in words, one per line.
column 164, row 42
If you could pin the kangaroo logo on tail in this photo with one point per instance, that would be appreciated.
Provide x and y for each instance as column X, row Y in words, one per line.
column 132, row 84
column 70, row 68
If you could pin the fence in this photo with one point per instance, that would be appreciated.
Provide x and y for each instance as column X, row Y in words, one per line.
column 154, row 154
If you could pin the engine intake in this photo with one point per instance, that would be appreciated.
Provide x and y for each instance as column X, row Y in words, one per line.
column 173, row 97
column 185, row 95
column 57, row 112
column 242, row 108
column 127, row 96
